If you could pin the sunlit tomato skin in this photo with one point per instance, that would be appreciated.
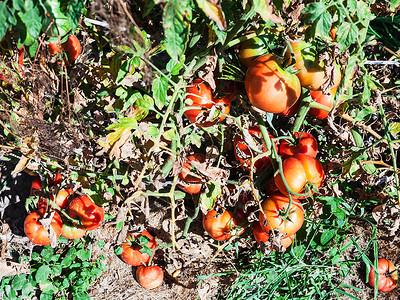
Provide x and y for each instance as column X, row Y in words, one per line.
column 251, row 49
column 62, row 198
column 54, row 48
column 72, row 231
column 324, row 99
column 189, row 183
column 299, row 170
column 220, row 226
column 72, row 47
column 310, row 71
column 244, row 154
column 272, row 214
column 388, row 276
column 304, row 143
column 36, row 186
column 261, row 236
column 86, row 212
column 131, row 253
column 269, row 87
column 36, row 232
column 150, row 277
column 201, row 97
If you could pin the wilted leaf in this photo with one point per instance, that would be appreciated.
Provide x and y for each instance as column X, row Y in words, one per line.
column 266, row 9
column 207, row 199
column 214, row 12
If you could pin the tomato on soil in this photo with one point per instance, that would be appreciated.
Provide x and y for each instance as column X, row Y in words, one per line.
column 220, row 225
column 304, row 143
column 190, row 183
column 86, row 212
column 72, row 231
column 321, row 98
column 299, row 170
column 261, row 236
column 62, row 198
column 204, row 103
column 269, row 87
column 131, row 253
column 272, row 214
column 387, row 279
column 36, row 232
column 150, row 277
column 244, row 154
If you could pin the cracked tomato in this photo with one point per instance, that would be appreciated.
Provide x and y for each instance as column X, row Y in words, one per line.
column 86, row 212
column 303, row 142
column 206, row 111
column 36, row 231
column 220, row 225
column 189, row 181
column 387, row 279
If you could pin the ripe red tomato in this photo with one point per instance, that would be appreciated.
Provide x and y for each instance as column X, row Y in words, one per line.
column 189, row 183
column 310, row 71
column 387, row 279
column 131, row 253
column 150, row 277
column 54, row 48
column 36, row 186
column 261, row 236
column 244, row 154
column 299, row 170
column 36, row 232
column 273, row 210
column 252, row 49
column 291, row 111
column 72, row 47
column 321, row 98
column 220, row 226
column 269, row 87
column 72, row 231
column 86, row 212
column 201, row 97
column 304, row 143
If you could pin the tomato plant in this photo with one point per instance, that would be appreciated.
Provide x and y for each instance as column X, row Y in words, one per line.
column 303, row 142
column 321, row 98
column 261, row 236
column 189, row 182
column 86, row 212
column 300, row 170
column 150, row 277
column 269, row 87
column 221, row 225
column 35, row 230
column 387, row 279
column 244, row 154
column 273, row 213
column 72, row 231
column 203, row 102
column 310, row 70
column 134, row 249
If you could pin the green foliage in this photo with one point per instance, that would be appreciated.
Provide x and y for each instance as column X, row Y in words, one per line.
column 58, row 273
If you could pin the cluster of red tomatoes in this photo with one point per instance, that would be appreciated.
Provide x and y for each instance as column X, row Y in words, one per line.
column 60, row 215
column 303, row 175
column 138, row 250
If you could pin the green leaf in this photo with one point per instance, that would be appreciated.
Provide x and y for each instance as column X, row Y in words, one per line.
column 7, row 18
column 327, row 235
column 18, row 282
column 170, row 134
column 74, row 11
column 69, row 257
column 179, row 195
column 152, row 130
column 394, row 127
column 47, row 253
column 174, row 67
column 118, row 250
column 56, row 270
column 42, row 273
column 62, row 25
column 208, row 199
column 346, row 35
column 176, row 23
column 159, row 89
column 84, row 254
column 314, row 10
column 324, row 24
